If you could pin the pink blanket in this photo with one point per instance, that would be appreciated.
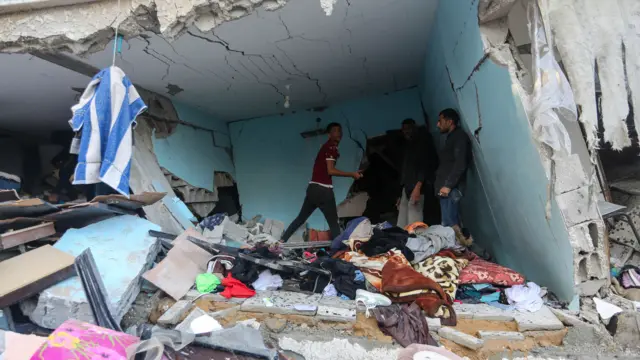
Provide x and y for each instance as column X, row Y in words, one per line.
column 81, row 341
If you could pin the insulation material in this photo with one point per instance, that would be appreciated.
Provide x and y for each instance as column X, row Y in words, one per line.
column 552, row 97
column 589, row 33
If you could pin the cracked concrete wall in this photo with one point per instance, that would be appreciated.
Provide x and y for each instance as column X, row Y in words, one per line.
column 505, row 197
column 194, row 154
column 274, row 163
column 88, row 27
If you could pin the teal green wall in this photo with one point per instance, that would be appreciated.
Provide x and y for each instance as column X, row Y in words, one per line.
column 194, row 154
column 274, row 163
column 504, row 204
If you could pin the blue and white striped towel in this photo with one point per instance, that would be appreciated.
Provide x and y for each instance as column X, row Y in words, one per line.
column 106, row 114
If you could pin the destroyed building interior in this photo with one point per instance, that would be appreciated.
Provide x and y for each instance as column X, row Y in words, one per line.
column 178, row 253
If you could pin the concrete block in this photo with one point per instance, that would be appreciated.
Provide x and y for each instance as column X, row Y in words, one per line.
column 334, row 301
column 194, row 294
column 274, row 228
column 123, row 251
column 461, row 338
column 185, row 325
column 234, row 231
column 275, row 325
column 570, row 174
column 329, row 313
column 175, row 313
column 434, row 324
column 588, row 236
column 590, row 287
column 589, row 266
column 500, row 335
column 282, row 302
column 566, row 318
column 542, row 319
column 482, row 312
column 576, row 207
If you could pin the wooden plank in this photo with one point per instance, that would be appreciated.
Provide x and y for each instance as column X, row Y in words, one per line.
column 19, row 237
column 144, row 170
column 8, row 195
column 25, row 208
column 28, row 274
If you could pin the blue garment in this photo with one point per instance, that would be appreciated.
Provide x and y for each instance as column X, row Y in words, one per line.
column 359, row 276
column 344, row 297
column 337, row 244
column 212, row 221
column 105, row 114
column 449, row 207
column 383, row 225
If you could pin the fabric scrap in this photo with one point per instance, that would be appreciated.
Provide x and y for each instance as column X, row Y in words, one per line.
column 330, row 290
column 235, row 288
column 420, row 352
column 525, row 297
column 206, row 283
column 384, row 240
column 482, row 271
column 105, row 115
column 405, row 323
column 443, row 270
column 267, row 281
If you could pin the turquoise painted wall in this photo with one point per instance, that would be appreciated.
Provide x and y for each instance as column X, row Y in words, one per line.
column 274, row 163
column 194, row 154
column 504, row 204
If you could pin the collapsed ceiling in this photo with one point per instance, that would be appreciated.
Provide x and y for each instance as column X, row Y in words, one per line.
column 268, row 62
column 249, row 67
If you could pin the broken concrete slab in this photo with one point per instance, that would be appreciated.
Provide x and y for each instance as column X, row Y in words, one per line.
column 461, row 338
column 175, row 313
column 329, row 313
column 566, row 318
column 590, row 287
column 274, row 228
column 482, row 312
column 542, row 319
column 123, row 251
column 282, row 302
column 234, row 232
column 334, row 301
column 434, row 323
column 275, row 325
column 500, row 335
column 194, row 294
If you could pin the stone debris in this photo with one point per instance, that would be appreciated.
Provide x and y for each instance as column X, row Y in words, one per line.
column 482, row 312
column 336, row 314
column 123, row 251
column 185, row 325
column 175, row 313
column 543, row 319
column 434, row 324
column 274, row 228
column 461, row 338
column 500, row 335
column 282, row 302
column 276, row 325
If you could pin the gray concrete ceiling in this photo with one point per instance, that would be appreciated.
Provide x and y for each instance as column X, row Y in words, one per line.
column 245, row 68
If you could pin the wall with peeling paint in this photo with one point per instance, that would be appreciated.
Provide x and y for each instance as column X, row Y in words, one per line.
column 273, row 162
column 505, row 197
column 194, row 154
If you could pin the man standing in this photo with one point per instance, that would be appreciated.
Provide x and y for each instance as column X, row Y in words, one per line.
column 412, row 175
column 453, row 164
column 320, row 190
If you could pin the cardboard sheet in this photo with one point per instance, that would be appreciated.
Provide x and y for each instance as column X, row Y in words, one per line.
column 176, row 274
column 28, row 274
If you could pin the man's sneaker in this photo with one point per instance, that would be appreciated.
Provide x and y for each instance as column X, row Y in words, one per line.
column 370, row 300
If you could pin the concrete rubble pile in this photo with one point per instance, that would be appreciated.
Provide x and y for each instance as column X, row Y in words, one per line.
column 226, row 287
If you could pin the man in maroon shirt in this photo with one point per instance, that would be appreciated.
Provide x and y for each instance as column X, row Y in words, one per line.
column 320, row 189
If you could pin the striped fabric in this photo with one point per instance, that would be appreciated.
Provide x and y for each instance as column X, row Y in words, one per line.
column 106, row 114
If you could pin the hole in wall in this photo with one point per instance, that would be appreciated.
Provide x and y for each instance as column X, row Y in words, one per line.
column 582, row 269
column 594, row 261
column 593, row 234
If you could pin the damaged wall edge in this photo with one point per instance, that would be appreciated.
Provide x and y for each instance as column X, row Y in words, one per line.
column 88, row 27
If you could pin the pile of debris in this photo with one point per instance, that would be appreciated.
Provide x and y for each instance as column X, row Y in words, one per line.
column 221, row 287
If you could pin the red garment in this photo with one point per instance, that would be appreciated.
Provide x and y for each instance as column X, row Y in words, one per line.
column 483, row 272
column 328, row 151
column 235, row 288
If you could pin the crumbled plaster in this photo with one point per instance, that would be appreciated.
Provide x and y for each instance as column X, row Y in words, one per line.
column 89, row 27
column 490, row 10
column 327, row 6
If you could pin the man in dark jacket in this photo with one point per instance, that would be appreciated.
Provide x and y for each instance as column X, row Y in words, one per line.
column 453, row 157
column 412, row 175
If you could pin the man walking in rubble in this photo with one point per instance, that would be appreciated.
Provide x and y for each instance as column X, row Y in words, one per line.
column 412, row 175
column 320, row 189
column 453, row 163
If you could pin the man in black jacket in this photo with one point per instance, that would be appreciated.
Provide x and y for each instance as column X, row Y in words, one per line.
column 453, row 164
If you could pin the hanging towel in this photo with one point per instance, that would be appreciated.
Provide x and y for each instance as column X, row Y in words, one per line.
column 106, row 114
